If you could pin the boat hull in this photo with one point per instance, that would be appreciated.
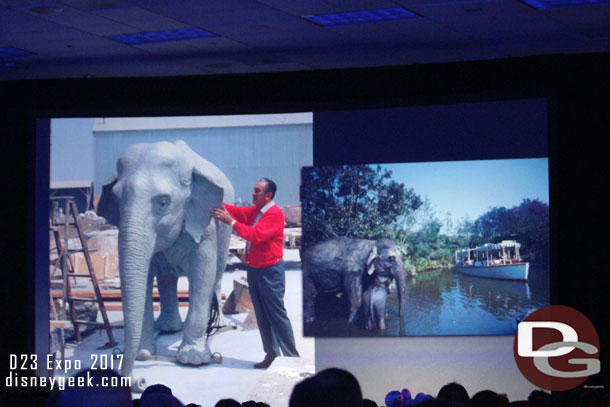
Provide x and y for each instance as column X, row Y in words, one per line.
column 515, row 271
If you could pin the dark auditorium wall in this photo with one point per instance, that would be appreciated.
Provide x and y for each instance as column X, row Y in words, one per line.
column 577, row 87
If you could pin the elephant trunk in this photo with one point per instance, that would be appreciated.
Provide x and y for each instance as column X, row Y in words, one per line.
column 401, row 277
column 136, row 247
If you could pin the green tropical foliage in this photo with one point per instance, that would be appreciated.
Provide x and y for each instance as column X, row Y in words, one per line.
column 528, row 223
column 357, row 201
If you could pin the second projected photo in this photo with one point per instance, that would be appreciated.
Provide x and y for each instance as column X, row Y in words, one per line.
column 424, row 249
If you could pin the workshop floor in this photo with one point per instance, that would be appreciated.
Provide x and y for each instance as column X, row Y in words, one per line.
column 235, row 377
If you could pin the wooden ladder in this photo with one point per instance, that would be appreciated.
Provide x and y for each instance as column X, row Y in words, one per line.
column 61, row 233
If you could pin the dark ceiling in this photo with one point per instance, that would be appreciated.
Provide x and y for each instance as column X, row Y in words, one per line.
column 72, row 38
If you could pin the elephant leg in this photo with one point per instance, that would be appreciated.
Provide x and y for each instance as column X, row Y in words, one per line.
column 367, row 310
column 353, row 289
column 380, row 310
column 309, row 297
column 169, row 319
column 147, row 340
column 370, row 322
column 223, row 241
column 194, row 348
column 382, row 325
column 386, row 314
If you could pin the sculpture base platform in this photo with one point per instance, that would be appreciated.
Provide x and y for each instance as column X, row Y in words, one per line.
column 240, row 349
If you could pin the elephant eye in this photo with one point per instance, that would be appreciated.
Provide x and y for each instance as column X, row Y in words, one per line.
column 162, row 202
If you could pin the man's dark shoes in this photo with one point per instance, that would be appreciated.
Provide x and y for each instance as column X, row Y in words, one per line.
column 265, row 363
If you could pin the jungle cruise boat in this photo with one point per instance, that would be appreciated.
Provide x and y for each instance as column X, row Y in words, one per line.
column 493, row 260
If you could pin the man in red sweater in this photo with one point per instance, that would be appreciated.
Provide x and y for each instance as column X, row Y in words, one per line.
column 262, row 225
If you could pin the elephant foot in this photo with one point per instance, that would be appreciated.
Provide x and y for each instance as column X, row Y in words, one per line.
column 193, row 354
column 168, row 324
column 145, row 352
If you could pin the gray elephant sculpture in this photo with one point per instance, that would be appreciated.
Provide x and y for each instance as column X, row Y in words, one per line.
column 161, row 199
column 340, row 264
column 375, row 304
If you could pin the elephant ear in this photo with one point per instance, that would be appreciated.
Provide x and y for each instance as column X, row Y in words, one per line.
column 205, row 196
column 370, row 261
column 208, row 185
column 108, row 206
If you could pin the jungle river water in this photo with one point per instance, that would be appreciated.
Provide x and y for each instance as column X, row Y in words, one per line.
column 446, row 302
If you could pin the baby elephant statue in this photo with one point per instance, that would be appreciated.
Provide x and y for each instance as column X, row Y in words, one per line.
column 161, row 199
column 375, row 304
column 340, row 264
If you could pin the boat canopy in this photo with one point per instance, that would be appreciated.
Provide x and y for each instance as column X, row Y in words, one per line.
column 505, row 252
column 505, row 244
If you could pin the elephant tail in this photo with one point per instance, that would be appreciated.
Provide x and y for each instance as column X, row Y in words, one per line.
column 213, row 321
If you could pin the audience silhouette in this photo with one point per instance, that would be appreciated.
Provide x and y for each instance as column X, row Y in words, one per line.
column 228, row 403
column 488, row 398
column 331, row 387
column 454, row 392
column 538, row 398
column 252, row 403
column 159, row 395
column 368, row 403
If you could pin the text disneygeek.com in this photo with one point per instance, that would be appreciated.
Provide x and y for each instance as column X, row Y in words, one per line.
column 21, row 367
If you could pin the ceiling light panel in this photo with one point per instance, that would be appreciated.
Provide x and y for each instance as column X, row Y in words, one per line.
column 162, row 36
column 544, row 4
column 359, row 17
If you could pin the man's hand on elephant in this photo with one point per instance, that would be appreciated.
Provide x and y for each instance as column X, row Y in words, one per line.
column 222, row 215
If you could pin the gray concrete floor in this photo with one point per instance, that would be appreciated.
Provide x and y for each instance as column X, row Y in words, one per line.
column 235, row 377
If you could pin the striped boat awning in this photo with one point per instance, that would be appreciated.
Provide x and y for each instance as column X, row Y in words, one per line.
column 510, row 243
column 506, row 244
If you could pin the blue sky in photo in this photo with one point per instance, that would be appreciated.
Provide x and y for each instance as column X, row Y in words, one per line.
column 468, row 189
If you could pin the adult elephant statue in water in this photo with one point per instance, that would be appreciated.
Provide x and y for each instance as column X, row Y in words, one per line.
column 340, row 264
column 161, row 199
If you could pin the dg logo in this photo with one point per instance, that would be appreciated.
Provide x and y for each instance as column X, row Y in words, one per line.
column 556, row 348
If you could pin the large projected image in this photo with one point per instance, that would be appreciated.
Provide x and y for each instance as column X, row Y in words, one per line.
column 166, row 174
column 416, row 249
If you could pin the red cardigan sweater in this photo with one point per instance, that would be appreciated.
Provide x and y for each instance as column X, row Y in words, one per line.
column 266, row 238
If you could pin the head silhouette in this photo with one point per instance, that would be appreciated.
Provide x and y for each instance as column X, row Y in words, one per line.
column 329, row 388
